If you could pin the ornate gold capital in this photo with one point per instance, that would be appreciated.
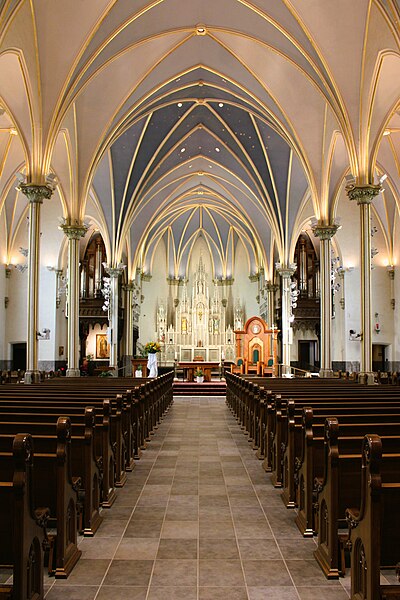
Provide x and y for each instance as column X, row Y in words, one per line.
column 114, row 271
column 74, row 231
column 325, row 232
column 363, row 194
column 36, row 193
column 286, row 271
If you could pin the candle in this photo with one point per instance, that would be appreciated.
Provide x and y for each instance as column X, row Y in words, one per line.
column 176, row 356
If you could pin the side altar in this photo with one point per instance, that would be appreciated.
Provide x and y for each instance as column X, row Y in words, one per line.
column 257, row 348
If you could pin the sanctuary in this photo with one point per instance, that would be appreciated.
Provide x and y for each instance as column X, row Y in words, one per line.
column 198, row 326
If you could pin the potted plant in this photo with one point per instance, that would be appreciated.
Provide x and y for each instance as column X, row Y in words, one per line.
column 139, row 371
column 199, row 375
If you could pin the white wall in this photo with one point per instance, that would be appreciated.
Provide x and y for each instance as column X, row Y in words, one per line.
column 154, row 291
column 244, row 289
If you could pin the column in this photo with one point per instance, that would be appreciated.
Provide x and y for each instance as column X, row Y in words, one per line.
column 364, row 195
column 74, row 233
column 35, row 194
column 114, row 273
column 325, row 234
column 286, row 272
column 271, row 290
column 128, row 354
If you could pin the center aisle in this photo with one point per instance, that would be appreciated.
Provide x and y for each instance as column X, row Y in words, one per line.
column 197, row 520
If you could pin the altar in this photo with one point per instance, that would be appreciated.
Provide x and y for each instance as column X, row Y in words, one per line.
column 190, row 367
column 196, row 320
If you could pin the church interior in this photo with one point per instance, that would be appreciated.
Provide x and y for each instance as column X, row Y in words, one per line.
column 220, row 180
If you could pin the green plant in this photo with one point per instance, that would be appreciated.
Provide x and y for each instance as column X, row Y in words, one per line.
column 105, row 374
column 199, row 373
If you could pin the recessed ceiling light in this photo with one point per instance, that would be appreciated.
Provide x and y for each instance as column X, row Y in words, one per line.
column 183, row 149
column 221, row 104
column 13, row 131
column 179, row 104
column 210, row 166
column 190, row 166
column 386, row 132
column 177, row 79
column 217, row 149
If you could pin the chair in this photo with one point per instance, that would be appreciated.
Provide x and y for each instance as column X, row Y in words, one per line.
column 238, row 367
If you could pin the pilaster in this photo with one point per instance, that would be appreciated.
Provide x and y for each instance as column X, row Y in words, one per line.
column 35, row 194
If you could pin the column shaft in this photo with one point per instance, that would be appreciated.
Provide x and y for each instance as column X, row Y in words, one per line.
column 366, row 342
column 364, row 195
column 326, row 309
column 73, row 308
column 286, row 273
column 33, row 292
column 114, row 302
column 36, row 194
column 74, row 234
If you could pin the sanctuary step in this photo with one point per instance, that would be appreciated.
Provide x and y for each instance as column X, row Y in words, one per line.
column 207, row 388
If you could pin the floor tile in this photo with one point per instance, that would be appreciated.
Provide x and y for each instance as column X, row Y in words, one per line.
column 222, row 593
column 172, row 593
column 174, row 573
column 221, row 548
column 220, row 573
column 121, row 593
column 129, row 573
column 263, row 573
column 137, row 549
column 79, row 592
column 177, row 549
column 180, row 529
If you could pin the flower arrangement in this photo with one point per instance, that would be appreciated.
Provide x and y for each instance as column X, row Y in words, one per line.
column 198, row 372
column 152, row 347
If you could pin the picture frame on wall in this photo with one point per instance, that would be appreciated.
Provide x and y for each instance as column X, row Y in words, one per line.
column 102, row 346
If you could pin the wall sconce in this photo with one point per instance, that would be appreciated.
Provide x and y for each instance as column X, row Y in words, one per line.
column 354, row 336
column 43, row 335
column 8, row 272
column 377, row 327
column 21, row 268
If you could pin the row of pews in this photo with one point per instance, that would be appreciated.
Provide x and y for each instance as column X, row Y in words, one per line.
column 65, row 447
column 333, row 448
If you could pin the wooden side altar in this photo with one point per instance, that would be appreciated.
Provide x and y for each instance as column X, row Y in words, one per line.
column 191, row 366
column 257, row 347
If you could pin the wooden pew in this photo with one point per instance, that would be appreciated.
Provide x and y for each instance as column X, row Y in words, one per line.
column 374, row 526
column 84, row 463
column 55, row 488
column 22, row 527
column 340, row 486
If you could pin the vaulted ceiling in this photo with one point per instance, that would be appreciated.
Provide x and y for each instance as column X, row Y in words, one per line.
column 169, row 120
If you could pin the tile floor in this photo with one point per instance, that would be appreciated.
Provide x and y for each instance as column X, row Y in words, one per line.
column 197, row 520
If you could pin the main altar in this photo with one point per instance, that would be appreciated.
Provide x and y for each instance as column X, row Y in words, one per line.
column 197, row 326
